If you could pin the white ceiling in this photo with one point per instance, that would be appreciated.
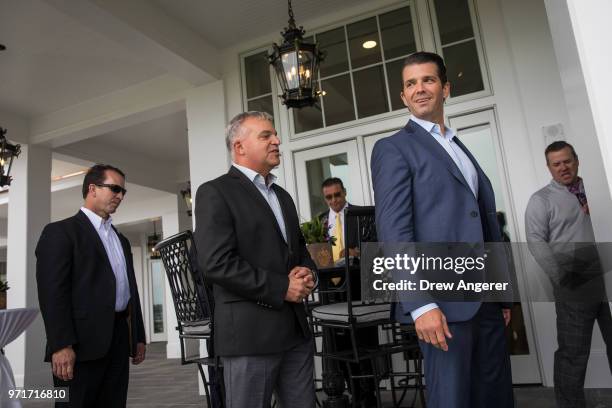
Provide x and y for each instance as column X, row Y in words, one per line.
column 52, row 61
column 229, row 22
column 163, row 140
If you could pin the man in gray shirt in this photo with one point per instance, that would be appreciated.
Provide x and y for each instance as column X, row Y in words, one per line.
column 557, row 222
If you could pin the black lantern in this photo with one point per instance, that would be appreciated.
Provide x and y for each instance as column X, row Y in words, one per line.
column 152, row 241
column 296, row 63
column 186, row 194
column 7, row 153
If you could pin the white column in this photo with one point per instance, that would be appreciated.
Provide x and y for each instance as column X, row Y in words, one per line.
column 29, row 210
column 170, row 226
column 206, row 122
column 208, row 157
column 581, row 31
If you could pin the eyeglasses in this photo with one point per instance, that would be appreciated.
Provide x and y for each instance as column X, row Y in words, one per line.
column 115, row 188
column 337, row 194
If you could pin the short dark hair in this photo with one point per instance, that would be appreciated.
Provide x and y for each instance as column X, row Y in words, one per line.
column 424, row 57
column 96, row 175
column 331, row 181
column 559, row 145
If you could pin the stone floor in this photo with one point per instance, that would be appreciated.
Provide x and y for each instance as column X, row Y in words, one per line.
column 163, row 383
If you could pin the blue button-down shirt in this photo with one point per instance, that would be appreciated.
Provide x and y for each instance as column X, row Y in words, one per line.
column 447, row 141
column 265, row 188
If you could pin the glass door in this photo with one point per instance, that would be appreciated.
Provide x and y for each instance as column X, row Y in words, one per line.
column 313, row 166
column 478, row 131
column 157, row 313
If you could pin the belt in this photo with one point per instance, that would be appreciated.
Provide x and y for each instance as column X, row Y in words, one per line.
column 121, row 315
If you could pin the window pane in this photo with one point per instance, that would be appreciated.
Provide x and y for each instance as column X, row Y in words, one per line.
column 308, row 118
column 454, row 20
column 263, row 104
column 397, row 33
column 394, row 78
column 338, row 100
column 364, row 45
column 463, row 68
column 333, row 44
column 320, row 169
column 257, row 73
column 370, row 91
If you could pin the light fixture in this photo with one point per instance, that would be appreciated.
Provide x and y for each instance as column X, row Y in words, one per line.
column 296, row 63
column 369, row 44
column 186, row 193
column 153, row 240
column 7, row 153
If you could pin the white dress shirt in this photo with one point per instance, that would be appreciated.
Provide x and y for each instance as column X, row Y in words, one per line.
column 265, row 188
column 115, row 254
column 331, row 220
column 463, row 162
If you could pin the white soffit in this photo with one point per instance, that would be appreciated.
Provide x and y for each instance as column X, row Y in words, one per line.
column 53, row 61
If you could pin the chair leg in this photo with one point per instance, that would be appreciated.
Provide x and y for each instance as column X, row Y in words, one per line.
column 419, row 363
column 350, row 383
column 396, row 403
column 377, row 377
column 206, row 384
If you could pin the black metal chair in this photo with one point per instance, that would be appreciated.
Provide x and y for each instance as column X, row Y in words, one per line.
column 193, row 304
column 352, row 315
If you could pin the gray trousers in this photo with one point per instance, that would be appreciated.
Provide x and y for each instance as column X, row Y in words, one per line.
column 574, row 331
column 251, row 380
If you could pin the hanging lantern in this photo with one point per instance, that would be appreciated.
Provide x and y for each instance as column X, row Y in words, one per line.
column 296, row 64
column 152, row 241
column 186, row 194
column 7, row 153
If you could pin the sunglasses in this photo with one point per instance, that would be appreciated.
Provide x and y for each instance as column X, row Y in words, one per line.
column 337, row 194
column 115, row 188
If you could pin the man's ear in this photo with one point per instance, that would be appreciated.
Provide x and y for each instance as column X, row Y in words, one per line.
column 446, row 90
column 405, row 102
column 238, row 148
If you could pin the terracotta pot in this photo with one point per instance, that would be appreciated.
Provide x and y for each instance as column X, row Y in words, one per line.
column 321, row 254
column 2, row 300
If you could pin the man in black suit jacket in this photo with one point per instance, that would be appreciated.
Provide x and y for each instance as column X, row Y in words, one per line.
column 88, row 297
column 334, row 194
column 251, row 249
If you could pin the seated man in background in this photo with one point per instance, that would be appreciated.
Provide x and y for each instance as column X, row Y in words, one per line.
column 334, row 194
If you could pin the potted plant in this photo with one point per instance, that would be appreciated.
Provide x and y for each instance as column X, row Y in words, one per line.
column 318, row 242
column 3, row 288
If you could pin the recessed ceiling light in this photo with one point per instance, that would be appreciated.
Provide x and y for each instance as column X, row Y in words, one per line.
column 369, row 44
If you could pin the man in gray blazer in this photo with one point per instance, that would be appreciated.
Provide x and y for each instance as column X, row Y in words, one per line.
column 557, row 221
column 251, row 249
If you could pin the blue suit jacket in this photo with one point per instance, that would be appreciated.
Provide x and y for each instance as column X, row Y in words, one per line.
column 421, row 196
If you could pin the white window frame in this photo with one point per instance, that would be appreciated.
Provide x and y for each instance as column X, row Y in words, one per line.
column 488, row 90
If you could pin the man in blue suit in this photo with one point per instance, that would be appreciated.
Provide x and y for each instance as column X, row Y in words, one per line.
column 429, row 188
